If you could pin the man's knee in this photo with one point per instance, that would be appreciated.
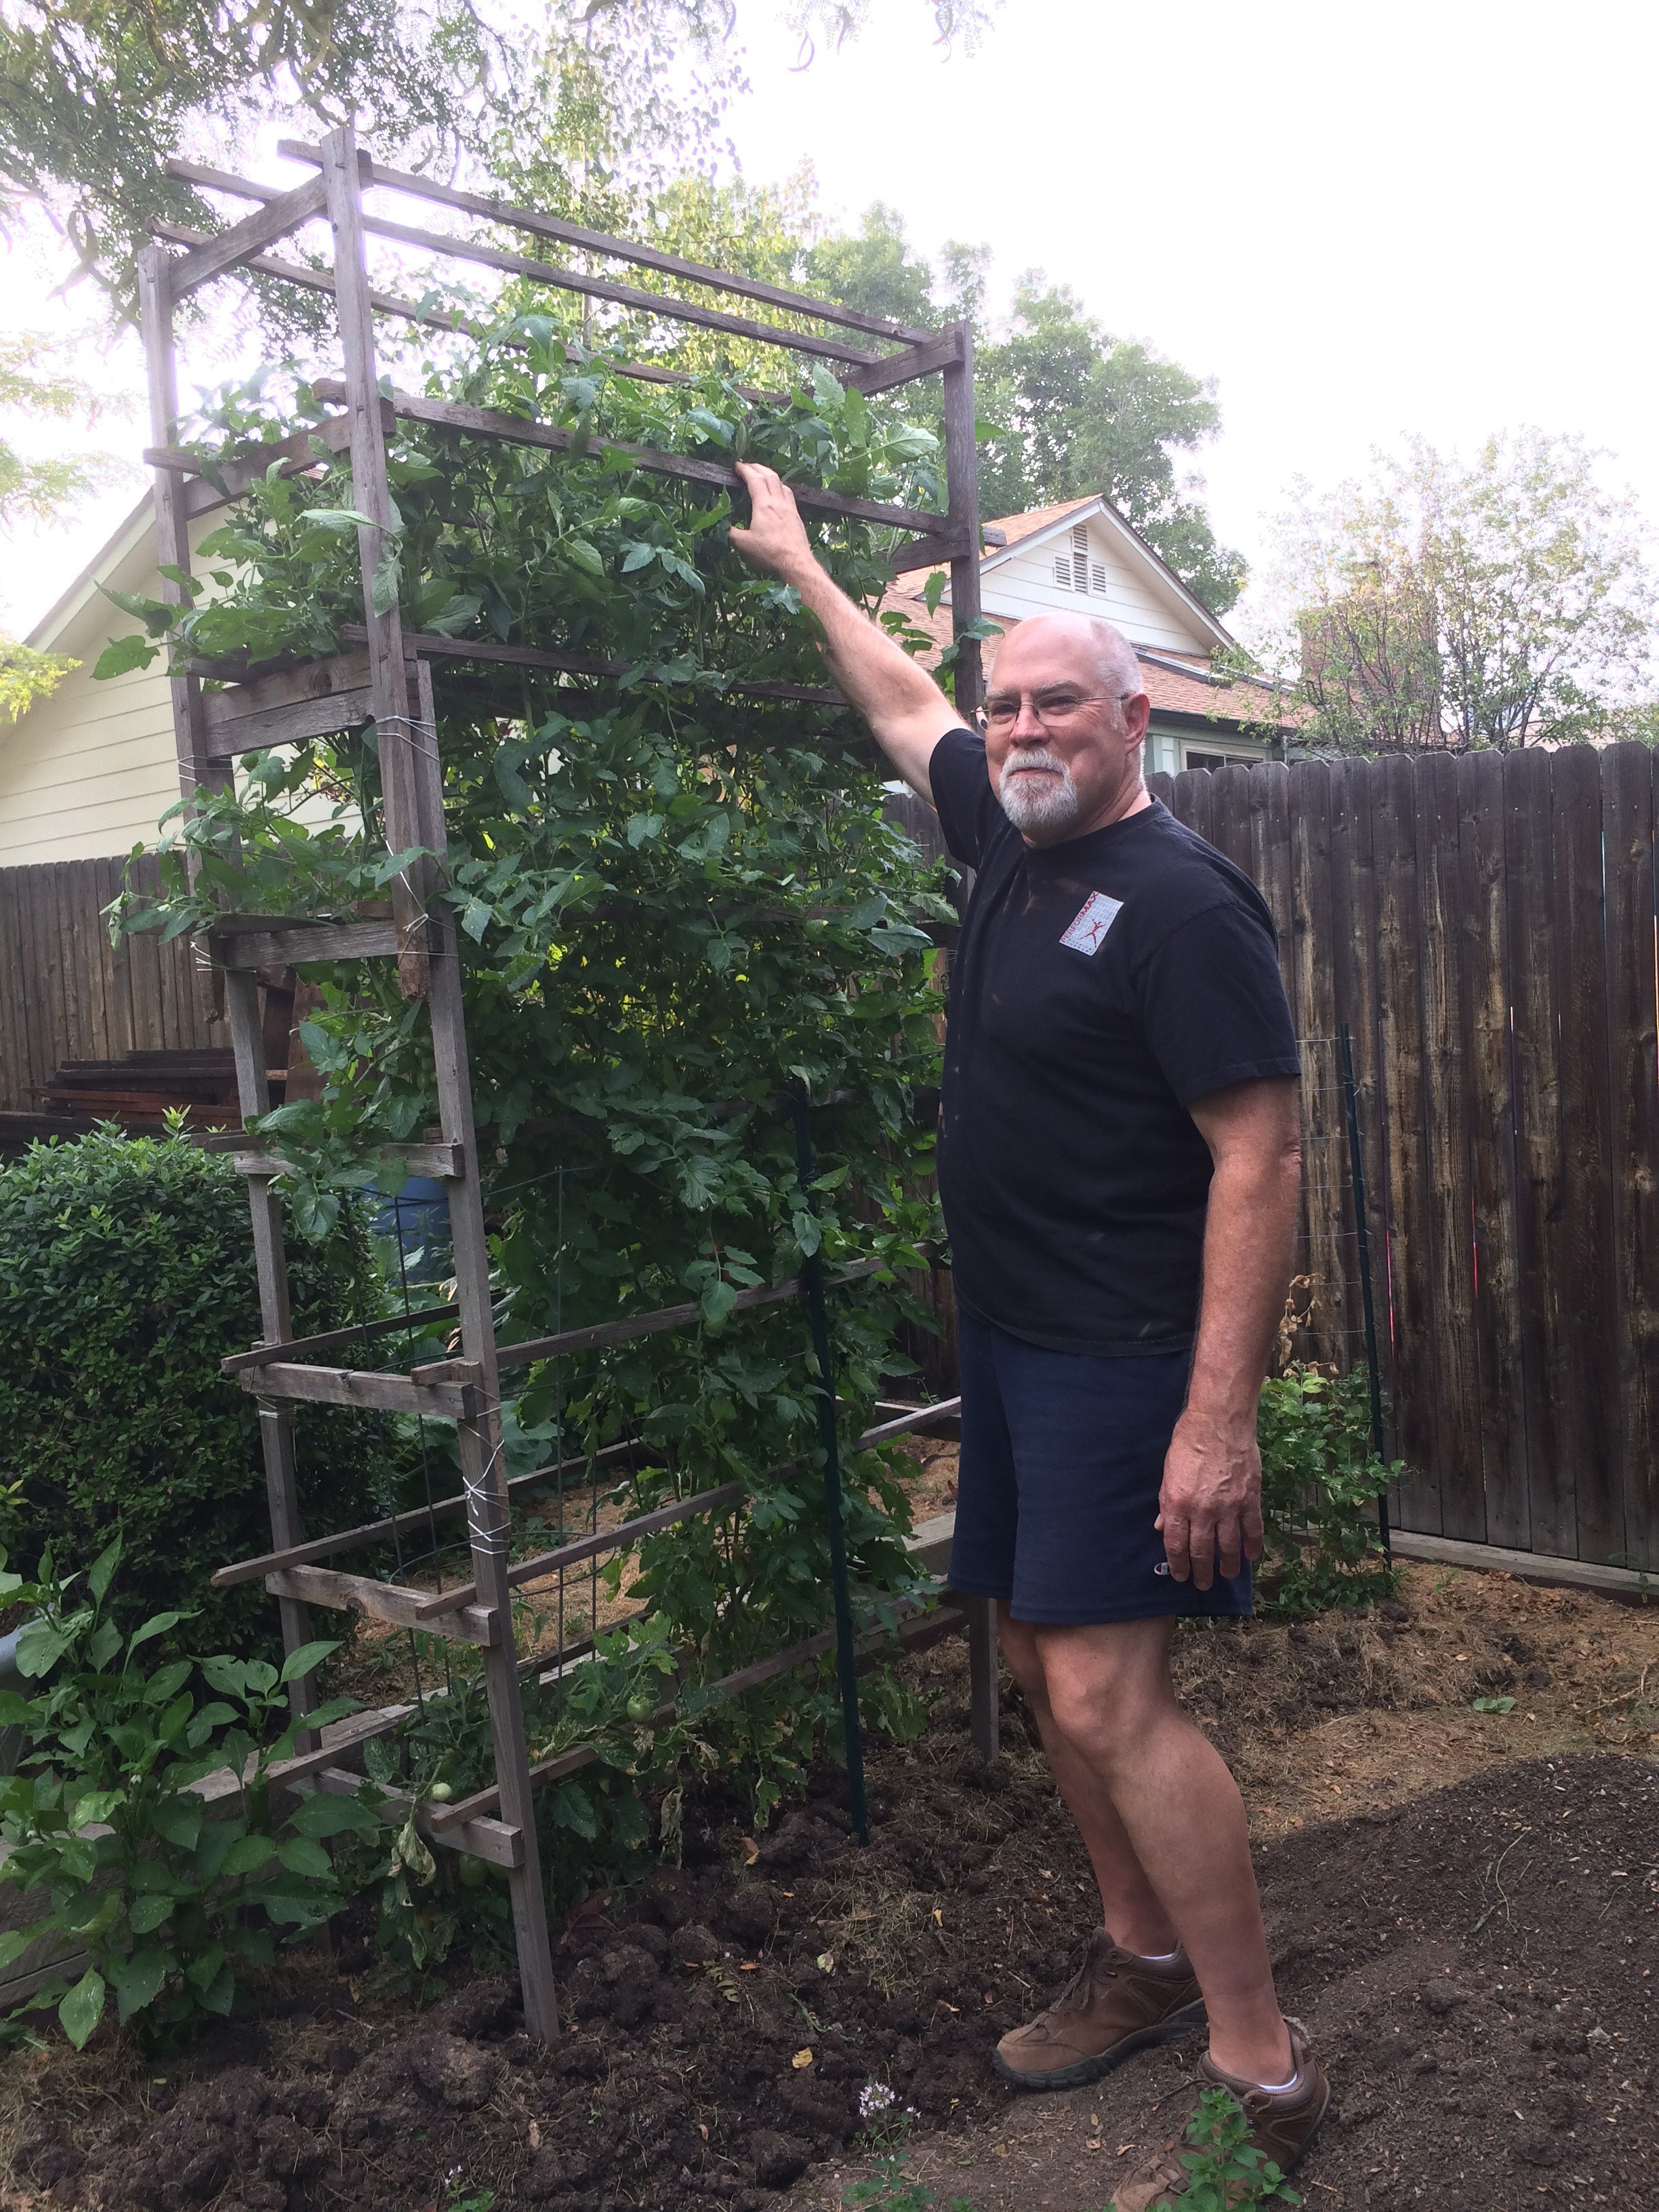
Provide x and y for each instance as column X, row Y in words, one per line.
column 1106, row 1688
column 1018, row 1641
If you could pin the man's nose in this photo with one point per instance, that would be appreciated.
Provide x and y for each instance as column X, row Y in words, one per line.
column 1028, row 728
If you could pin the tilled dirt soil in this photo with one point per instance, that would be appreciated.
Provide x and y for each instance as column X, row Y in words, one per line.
column 1466, row 1957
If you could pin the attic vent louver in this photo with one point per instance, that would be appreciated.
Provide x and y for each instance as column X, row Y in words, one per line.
column 1100, row 575
column 1080, row 557
column 1063, row 570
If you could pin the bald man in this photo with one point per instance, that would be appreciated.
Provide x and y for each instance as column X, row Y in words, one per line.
column 1119, row 1163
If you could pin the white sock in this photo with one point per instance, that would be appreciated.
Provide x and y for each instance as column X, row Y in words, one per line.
column 1159, row 1958
column 1277, row 2088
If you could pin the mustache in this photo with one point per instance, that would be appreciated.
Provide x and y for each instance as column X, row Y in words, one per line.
column 1049, row 763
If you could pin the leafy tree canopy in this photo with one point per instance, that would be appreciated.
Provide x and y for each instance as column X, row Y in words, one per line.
column 1071, row 409
column 1498, row 601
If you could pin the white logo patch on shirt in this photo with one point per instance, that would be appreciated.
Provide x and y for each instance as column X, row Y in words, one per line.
column 1095, row 917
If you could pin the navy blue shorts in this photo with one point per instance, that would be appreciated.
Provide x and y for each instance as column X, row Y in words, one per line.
column 1062, row 1459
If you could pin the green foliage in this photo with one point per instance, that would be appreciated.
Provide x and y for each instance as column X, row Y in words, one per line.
column 1077, row 410
column 126, row 1276
column 27, row 675
column 169, row 1902
column 1228, row 2173
column 888, row 2188
column 1320, row 1478
column 674, row 905
column 1504, row 600
column 1065, row 409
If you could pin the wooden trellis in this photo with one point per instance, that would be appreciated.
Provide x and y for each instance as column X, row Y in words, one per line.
column 384, row 675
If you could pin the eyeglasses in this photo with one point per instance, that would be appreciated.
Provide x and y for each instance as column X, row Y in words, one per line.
column 1051, row 714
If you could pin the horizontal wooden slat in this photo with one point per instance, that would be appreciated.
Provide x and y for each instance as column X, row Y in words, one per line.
column 615, row 249
column 292, row 946
column 498, row 1841
column 380, row 1602
column 350, row 1386
column 545, row 1564
column 428, row 645
column 337, row 674
column 292, row 724
column 240, row 473
column 262, row 1355
column 919, row 360
column 919, row 1627
column 443, row 1163
column 553, row 437
column 652, row 1324
column 388, row 303
column 263, row 228
column 417, row 1517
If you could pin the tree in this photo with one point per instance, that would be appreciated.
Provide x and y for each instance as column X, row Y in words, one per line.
column 1073, row 409
column 34, row 381
column 1499, row 602
column 95, row 99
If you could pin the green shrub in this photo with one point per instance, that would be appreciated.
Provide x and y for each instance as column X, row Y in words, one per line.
column 1320, row 1478
column 126, row 1273
column 168, row 1902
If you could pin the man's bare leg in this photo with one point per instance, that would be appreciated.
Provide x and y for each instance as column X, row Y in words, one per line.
column 1129, row 1906
column 1161, row 1819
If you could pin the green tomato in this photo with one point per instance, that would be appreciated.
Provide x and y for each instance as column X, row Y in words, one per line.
column 472, row 1874
column 441, row 1793
column 641, row 1706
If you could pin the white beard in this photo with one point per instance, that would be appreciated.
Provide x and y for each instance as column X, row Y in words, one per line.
column 1039, row 802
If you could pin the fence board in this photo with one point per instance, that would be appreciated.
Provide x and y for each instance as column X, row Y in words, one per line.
column 1541, row 1229
column 1482, row 936
column 1352, row 959
column 1627, row 820
column 1587, row 1287
column 1410, row 1227
column 1455, row 1382
column 1308, row 953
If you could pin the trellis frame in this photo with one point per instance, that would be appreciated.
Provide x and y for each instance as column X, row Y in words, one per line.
column 384, row 675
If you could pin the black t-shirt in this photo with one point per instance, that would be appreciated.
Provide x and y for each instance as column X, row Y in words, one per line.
column 1100, row 986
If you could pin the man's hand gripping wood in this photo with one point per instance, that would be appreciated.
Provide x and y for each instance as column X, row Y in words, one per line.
column 904, row 705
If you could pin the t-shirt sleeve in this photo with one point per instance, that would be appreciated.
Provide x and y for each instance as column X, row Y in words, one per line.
column 963, row 794
column 1214, row 1003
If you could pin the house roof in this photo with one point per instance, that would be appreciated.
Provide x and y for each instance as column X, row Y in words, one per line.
column 48, row 632
column 1021, row 530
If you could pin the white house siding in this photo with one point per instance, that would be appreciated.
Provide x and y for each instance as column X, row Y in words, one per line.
column 1024, row 584
column 87, row 774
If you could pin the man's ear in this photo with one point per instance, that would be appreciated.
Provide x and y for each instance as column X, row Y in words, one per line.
column 1137, row 713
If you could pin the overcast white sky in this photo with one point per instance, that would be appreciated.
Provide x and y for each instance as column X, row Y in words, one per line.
column 1364, row 223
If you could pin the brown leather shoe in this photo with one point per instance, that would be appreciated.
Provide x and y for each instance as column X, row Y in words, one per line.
column 1283, row 2123
column 1113, row 2004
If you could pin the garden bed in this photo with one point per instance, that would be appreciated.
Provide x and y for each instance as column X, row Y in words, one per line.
column 1450, row 1992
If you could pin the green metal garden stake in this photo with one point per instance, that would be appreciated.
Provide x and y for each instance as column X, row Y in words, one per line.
column 817, row 1310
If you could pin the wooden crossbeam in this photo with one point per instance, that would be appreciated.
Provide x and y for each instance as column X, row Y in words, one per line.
column 428, row 645
column 614, row 249
column 624, row 1332
column 262, row 1355
column 443, row 1163
column 917, row 1628
column 451, row 319
column 293, row 947
column 363, row 1594
column 263, row 228
column 543, row 1565
column 552, row 437
column 414, row 1519
column 370, row 1392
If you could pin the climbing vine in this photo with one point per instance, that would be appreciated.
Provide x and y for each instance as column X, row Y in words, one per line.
column 675, row 904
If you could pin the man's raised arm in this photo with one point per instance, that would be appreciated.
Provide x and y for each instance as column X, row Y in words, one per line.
column 900, row 701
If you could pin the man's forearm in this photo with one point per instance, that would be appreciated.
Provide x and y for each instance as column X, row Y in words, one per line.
column 876, row 673
column 1249, row 1240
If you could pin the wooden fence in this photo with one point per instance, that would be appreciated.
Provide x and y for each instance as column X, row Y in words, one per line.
column 1486, row 928
column 65, row 994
